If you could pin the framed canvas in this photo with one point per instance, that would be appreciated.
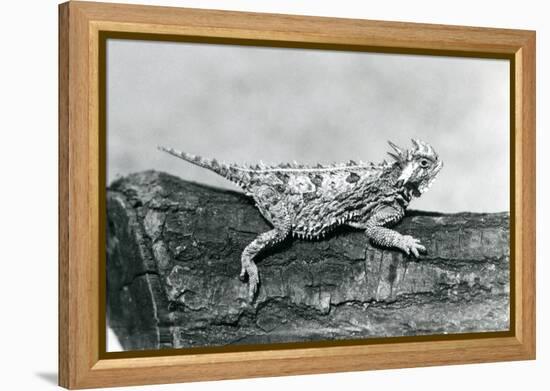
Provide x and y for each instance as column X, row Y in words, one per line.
column 184, row 257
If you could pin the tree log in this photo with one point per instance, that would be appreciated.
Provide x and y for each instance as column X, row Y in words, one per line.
column 173, row 261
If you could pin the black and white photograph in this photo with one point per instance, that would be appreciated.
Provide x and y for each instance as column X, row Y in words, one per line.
column 261, row 195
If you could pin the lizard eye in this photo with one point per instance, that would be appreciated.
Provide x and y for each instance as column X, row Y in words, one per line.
column 424, row 163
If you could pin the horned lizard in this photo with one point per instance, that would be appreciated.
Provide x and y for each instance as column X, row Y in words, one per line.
column 308, row 202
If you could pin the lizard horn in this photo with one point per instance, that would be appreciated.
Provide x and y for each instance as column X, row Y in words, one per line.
column 430, row 149
column 399, row 156
column 396, row 148
column 393, row 155
column 423, row 147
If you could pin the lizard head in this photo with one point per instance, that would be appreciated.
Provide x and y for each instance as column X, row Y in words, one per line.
column 418, row 166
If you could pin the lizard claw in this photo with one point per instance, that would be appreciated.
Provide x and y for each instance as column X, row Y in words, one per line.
column 252, row 288
column 253, row 279
column 411, row 244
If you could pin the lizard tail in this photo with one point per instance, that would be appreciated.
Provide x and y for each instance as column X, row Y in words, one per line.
column 225, row 170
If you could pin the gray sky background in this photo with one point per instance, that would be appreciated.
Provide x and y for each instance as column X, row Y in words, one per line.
column 245, row 104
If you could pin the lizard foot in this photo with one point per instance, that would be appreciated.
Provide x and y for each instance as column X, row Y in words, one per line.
column 253, row 279
column 412, row 245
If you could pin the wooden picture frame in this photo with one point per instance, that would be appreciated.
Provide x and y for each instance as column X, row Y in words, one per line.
column 82, row 361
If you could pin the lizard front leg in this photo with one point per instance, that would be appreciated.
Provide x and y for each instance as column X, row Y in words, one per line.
column 376, row 231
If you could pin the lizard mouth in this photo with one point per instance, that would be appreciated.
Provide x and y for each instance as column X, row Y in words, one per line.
column 413, row 188
column 415, row 191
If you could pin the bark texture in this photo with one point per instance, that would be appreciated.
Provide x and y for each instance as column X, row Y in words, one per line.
column 173, row 261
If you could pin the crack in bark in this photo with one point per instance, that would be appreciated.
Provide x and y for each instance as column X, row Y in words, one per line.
column 140, row 275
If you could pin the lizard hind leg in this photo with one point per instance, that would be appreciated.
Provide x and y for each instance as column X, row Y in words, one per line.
column 262, row 242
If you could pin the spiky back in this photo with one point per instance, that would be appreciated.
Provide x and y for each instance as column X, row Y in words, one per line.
column 228, row 171
column 246, row 175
